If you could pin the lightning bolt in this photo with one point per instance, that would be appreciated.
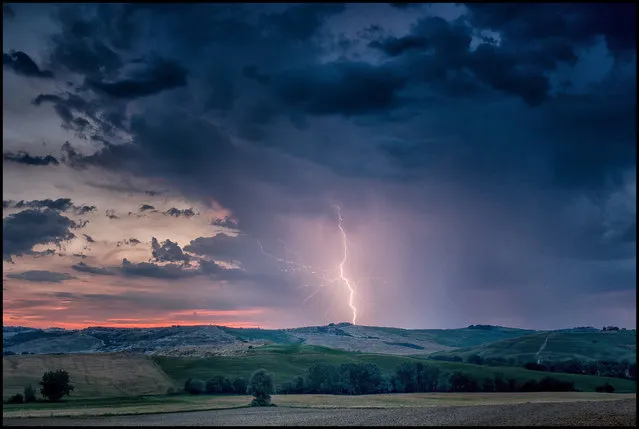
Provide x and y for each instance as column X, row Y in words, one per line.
column 318, row 278
column 340, row 225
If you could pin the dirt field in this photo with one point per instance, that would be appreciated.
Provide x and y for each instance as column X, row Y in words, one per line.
column 583, row 413
column 93, row 375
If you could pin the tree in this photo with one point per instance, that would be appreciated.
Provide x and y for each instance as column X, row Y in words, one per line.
column 239, row 386
column 195, row 386
column 29, row 394
column 15, row 399
column 55, row 385
column 261, row 387
column 359, row 378
column 607, row 388
column 462, row 383
column 475, row 359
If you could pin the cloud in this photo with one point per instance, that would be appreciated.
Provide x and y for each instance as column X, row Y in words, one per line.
column 89, row 238
column 168, row 251
column 25, row 158
column 41, row 276
column 146, row 269
column 177, row 212
column 221, row 246
column 110, row 213
column 8, row 12
column 82, row 210
column 128, row 241
column 160, row 76
column 23, row 65
column 84, row 268
column 227, row 222
column 23, row 230
column 145, row 207
column 61, row 204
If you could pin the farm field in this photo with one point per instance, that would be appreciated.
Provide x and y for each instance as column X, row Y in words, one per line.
column 566, row 413
column 184, row 403
column 93, row 375
column 289, row 361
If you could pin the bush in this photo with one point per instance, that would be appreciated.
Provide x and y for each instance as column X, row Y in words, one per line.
column 261, row 386
column 55, row 385
column 29, row 394
column 195, row 386
column 15, row 399
column 606, row 388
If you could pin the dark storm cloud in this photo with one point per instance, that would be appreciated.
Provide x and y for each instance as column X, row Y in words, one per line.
column 523, row 23
column 8, row 12
column 25, row 158
column 41, row 276
column 177, row 212
column 89, row 119
column 161, row 76
column 451, row 125
column 84, row 268
column 147, row 269
column 342, row 87
column 22, row 64
column 145, row 207
column 168, row 251
column 61, row 204
column 221, row 246
column 23, row 230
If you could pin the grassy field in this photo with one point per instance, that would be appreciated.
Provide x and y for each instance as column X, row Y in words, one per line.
column 93, row 375
column 287, row 362
column 181, row 403
column 561, row 345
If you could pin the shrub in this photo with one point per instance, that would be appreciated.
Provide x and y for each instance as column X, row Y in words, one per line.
column 15, row 399
column 55, row 385
column 261, row 386
column 29, row 394
column 605, row 388
column 195, row 386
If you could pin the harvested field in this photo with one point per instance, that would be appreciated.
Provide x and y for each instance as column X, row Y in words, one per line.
column 93, row 375
column 185, row 403
column 582, row 413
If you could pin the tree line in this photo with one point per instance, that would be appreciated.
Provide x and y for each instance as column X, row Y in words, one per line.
column 408, row 377
column 602, row 368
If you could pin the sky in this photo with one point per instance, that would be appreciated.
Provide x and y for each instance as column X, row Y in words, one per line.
column 283, row 165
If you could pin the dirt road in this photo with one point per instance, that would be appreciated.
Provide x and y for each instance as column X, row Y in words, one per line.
column 604, row 413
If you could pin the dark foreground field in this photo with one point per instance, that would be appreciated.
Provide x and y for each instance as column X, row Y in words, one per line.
column 583, row 413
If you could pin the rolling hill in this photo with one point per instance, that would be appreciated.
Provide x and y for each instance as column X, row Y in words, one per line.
column 207, row 340
column 553, row 346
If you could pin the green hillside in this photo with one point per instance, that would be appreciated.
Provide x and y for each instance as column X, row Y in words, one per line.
column 561, row 345
column 289, row 361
